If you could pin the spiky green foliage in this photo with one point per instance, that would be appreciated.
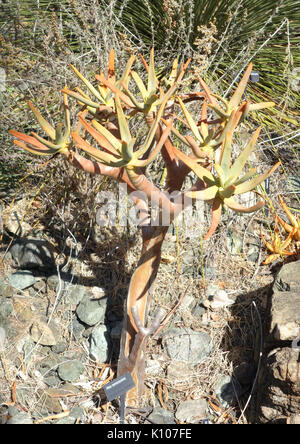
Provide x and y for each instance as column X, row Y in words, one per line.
column 59, row 136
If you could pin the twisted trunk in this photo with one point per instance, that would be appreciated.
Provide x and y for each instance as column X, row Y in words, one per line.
column 135, row 334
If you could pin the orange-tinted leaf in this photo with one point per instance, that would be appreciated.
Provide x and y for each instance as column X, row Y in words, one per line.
column 216, row 217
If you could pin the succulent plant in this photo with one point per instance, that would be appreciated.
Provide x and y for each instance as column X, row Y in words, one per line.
column 295, row 227
column 110, row 147
column 121, row 153
column 60, row 137
column 233, row 104
column 278, row 247
column 103, row 101
column 225, row 183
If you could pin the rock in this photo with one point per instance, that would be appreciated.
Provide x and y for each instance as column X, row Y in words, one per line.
column 187, row 345
column 6, row 309
column 44, row 334
column 100, row 344
column 294, row 419
column 70, row 371
column 6, row 290
column 67, row 420
column 285, row 315
column 161, row 416
column 76, row 294
column 191, row 411
column 220, row 300
column 20, row 418
column 211, row 289
column 53, row 282
column 48, row 366
column 227, row 390
column 40, row 286
column 60, row 347
column 32, row 254
column 187, row 302
column 288, row 278
column 253, row 253
column 279, row 389
column 14, row 217
column 178, row 371
column 76, row 328
column 91, row 312
column 153, row 367
column 21, row 279
column 285, row 304
column 77, row 412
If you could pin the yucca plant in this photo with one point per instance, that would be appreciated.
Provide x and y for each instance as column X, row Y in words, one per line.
column 118, row 152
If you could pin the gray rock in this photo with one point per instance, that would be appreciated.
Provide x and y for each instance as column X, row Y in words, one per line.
column 6, row 308
column 76, row 328
column 60, row 347
column 161, row 416
column 44, row 333
column 53, row 282
column 70, row 371
column 100, row 344
column 288, row 278
column 20, row 418
column 77, row 412
column 253, row 253
column 6, row 290
column 285, row 315
column 40, row 286
column 279, row 390
column 191, row 411
column 76, row 294
column 21, row 279
column 227, row 390
column 32, row 254
column 91, row 312
column 67, row 420
column 187, row 345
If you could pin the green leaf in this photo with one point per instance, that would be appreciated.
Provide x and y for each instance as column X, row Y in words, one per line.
column 220, row 173
column 206, row 194
column 236, row 98
column 108, row 136
column 49, row 130
column 225, row 160
column 80, row 98
column 240, row 162
column 233, row 205
column 140, row 84
column 252, row 183
column 123, row 126
column 200, row 172
column 152, row 80
column 87, row 83
column 190, row 120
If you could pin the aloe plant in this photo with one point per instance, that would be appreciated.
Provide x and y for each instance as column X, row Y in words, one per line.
column 111, row 148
